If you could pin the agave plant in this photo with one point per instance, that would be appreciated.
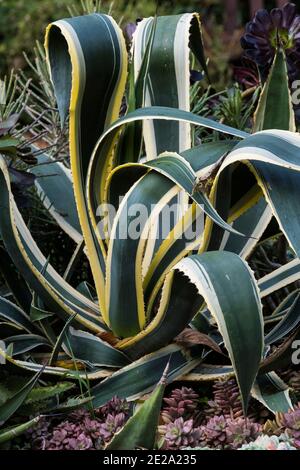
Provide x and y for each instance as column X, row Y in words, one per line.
column 149, row 289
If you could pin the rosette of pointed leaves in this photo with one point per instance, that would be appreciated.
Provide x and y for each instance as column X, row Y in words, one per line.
column 213, row 434
column 269, row 443
column 69, row 436
column 268, row 31
column 290, row 421
column 226, row 433
column 179, row 433
column 241, row 431
column 114, row 406
column 80, row 430
column 112, row 425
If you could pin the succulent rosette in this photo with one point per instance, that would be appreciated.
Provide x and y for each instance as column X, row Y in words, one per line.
column 291, row 422
column 270, row 30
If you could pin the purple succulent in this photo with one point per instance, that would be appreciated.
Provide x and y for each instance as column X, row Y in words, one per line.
column 112, row 424
column 291, row 422
column 114, row 406
column 39, row 434
column 269, row 30
column 213, row 434
column 246, row 73
column 181, row 403
column 179, row 434
column 226, row 399
column 69, row 436
column 81, row 442
column 241, row 431
column 228, row 433
column 81, row 430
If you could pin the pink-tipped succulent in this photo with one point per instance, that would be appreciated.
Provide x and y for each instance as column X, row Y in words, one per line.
column 241, row 431
column 113, row 407
column 112, row 424
column 226, row 399
column 69, row 436
column 179, row 434
column 81, row 430
column 226, row 433
column 213, row 434
column 182, row 403
column 290, row 421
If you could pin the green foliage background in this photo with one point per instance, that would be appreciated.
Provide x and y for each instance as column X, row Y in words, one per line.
column 24, row 21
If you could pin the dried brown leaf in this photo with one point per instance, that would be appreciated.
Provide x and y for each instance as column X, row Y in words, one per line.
column 188, row 338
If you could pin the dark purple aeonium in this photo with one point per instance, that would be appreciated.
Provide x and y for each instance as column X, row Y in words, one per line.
column 269, row 30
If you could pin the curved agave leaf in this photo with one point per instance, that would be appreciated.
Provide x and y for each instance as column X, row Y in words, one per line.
column 126, row 251
column 254, row 222
column 208, row 372
column 179, row 242
column 8, row 408
column 68, row 372
column 73, row 264
column 76, row 49
column 220, row 272
column 283, row 308
column 14, row 314
column 102, row 160
column 272, row 392
column 185, row 236
column 40, row 393
column 288, row 324
column 141, row 376
column 281, row 277
column 24, row 343
column 238, row 314
column 92, row 350
column 273, row 158
column 54, row 187
column 141, row 428
column 176, row 169
column 168, row 76
column 46, row 282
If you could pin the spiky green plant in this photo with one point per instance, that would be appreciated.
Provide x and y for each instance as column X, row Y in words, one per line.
column 151, row 285
column 12, row 104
